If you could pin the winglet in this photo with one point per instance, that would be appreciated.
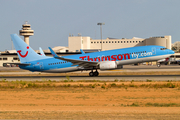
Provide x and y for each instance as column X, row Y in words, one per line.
column 82, row 51
column 53, row 53
column 41, row 51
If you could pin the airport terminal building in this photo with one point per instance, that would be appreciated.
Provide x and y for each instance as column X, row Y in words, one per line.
column 75, row 43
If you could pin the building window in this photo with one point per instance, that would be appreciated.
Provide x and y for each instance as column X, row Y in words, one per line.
column 109, row 41
column 139, row 41
column 133, row 41
column 124, row 41
column 97, row 42
column 136, row 41
column 103, row 42
column 115, row 41
column 94, row 42
column 106, row 42
column 127, row 41
column 130, row 41
column 91, row 42
column 112, row 41
column 4, row 58
column 15, row 58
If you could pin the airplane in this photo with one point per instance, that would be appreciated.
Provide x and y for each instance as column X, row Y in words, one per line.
column 102, row 60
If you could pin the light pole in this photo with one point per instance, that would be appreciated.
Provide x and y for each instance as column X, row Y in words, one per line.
column 101, row 32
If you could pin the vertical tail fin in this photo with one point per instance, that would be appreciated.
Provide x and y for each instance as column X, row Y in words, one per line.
column 25, row 52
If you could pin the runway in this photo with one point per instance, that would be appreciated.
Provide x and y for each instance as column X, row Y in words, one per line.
column 11, row 75
column 100, row 78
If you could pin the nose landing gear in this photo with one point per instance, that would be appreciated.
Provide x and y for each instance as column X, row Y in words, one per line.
column 96, row 73
column 158, row 65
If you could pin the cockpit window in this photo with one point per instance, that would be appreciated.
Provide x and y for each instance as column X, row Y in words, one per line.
column 163, row 48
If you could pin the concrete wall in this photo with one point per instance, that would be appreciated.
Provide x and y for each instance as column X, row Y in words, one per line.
column 75, row 43
column 156, row 41
column 86, row 42
column 109, row 44
column 161, row 41
column 168, row 42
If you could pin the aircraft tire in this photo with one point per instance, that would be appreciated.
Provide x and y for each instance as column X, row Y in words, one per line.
column 158, row 65
column 96, row 73
column 91, row 74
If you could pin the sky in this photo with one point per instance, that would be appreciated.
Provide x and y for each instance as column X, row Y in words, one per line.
column 53, row 20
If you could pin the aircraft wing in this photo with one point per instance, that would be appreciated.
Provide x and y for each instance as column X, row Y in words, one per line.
column 80, row 62
column 74, row 61
column 23, row 64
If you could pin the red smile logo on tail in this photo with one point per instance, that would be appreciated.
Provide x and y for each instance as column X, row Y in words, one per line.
column 23, row 56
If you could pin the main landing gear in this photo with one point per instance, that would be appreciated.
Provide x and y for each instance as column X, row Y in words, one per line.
column 96, row 73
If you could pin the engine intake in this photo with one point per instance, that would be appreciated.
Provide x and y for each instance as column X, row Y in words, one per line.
column 108, row 65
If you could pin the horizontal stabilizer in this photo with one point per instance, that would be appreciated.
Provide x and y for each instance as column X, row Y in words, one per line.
column 23, row 64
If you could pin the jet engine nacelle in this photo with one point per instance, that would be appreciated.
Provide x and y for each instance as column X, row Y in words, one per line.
column 108, row 65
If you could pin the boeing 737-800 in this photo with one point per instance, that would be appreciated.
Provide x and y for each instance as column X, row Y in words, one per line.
column 103, row 60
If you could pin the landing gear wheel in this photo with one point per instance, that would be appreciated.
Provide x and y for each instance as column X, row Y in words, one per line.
column 96, row 73
column 158, row 65
column 91, row 74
